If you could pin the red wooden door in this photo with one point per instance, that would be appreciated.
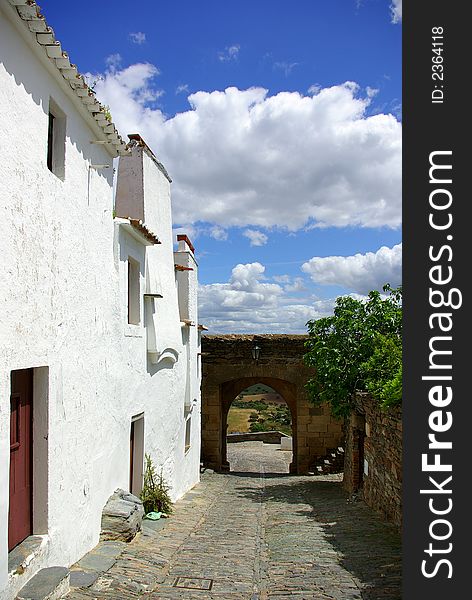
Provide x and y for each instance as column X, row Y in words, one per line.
column 131, row 457
column 21, row 451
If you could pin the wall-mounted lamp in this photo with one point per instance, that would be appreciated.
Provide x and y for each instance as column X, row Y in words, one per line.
column 256, row 351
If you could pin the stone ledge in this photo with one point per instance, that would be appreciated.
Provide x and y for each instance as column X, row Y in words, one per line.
column 268, row 437
column 21, row 556
column 48, row 584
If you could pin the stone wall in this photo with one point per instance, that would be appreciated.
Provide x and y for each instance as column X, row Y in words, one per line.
column 282, row 348
column 268, row 437
column 373, row 457
column 228, row 369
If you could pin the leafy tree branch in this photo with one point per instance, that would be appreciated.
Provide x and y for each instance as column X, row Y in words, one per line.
column 358, row 348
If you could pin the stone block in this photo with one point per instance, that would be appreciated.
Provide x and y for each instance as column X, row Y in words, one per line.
column 98, row 563
column 321, row 428
column 48, row 584
column 213, row 420
column 321, row 420
column 286, row 443
column 122, row 517
column 213, row 400
column 83, row 579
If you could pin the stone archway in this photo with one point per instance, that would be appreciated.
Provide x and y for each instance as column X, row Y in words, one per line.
column 228, row 367
column 229, row 391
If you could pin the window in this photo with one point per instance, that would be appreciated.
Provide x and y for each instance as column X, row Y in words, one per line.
column 50, row 140
column 188, row 431
column 134, row 313
column 56, row 151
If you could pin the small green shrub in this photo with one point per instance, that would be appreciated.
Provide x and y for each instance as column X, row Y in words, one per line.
column 107, row 113
column 155, row 493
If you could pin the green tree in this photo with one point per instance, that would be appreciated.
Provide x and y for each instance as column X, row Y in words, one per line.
column 341, row 348
column 383, row 370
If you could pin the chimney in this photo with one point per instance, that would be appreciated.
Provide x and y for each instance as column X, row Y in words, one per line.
column 185, row 245
column 186, row 277
column 143, row 187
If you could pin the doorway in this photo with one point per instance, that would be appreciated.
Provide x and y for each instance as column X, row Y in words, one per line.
column 20, row 516
column 136, row 454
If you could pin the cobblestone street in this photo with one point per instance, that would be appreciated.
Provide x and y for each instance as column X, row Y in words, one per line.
column 256, row 533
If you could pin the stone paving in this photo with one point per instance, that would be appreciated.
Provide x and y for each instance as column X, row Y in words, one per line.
column 256, row 534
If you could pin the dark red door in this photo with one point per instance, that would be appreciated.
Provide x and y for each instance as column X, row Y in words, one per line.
column 21, row 451
column 131, row 457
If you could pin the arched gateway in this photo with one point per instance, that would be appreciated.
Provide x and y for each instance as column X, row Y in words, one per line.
column 232, row 363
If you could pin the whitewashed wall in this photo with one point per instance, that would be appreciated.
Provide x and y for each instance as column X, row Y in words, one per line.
column 63, row 309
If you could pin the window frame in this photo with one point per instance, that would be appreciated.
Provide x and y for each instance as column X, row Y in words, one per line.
column 56, row 140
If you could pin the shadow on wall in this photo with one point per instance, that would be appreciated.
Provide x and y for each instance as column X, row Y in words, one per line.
column 370, row 548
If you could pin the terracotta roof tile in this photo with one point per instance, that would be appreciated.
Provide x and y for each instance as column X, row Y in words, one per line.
column 143, row 230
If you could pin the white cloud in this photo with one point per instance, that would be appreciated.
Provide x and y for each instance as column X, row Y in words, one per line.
column 361, row 272
column 249, row 304
column 244, row 158
column 183, row 88
column 282, row 278
column 298, row 285
column 188, row 230
column 229, row 53
column 285, row 67
column 314, row 89
column 113, row 61
column 292, row 284
column 256, row 238
column 371, row 92
column 127, row 92
column 218, row 233
column 138, row 37
column 396, row 11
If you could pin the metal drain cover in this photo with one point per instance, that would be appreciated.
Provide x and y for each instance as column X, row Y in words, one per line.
column 193, row 583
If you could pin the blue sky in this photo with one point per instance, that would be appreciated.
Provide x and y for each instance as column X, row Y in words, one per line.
column 280, row 125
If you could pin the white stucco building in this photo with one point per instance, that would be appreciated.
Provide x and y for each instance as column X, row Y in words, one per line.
column 99, row 340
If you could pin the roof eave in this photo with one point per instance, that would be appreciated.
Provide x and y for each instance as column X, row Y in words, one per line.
column 32, row 26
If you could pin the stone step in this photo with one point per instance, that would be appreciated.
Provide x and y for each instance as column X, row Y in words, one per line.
column 332, row 462
column 48, row 584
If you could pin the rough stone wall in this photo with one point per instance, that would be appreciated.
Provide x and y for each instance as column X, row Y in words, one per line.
column 228, row 368
column 281, row 348
column 353, row 450
column 373, row 457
